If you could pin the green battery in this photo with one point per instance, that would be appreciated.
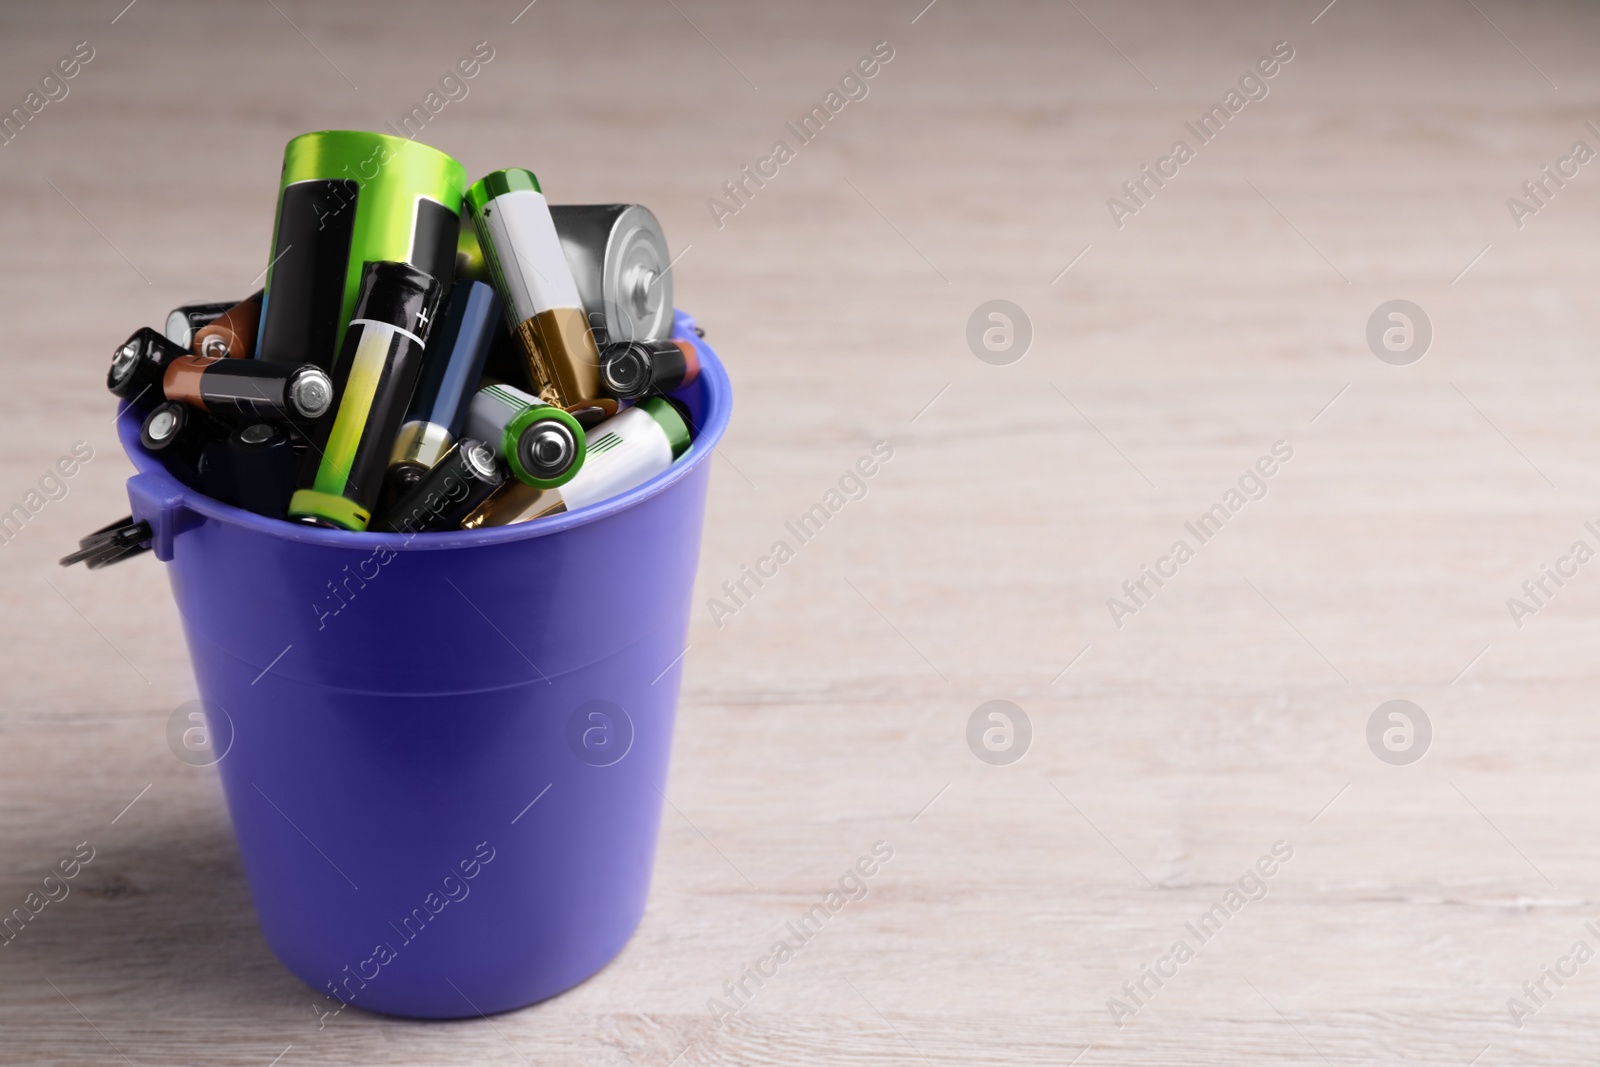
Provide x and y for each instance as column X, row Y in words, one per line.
column 544, row 446
column 348, row 198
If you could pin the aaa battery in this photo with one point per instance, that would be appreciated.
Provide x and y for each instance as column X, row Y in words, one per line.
column 374, row 379
column 631, row 369
column 254, row 469
column 138, row 366
column 177, row 434
column 451, row 367
column 182, row 322
column 543, row 445
column 233, row 333
column 530, row 270
column 447, row 492
column 248, row 388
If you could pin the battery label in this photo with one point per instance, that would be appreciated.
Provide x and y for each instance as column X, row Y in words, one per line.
column 631, row 449
column 492, row 408
column 366, row 372
column 606, row 443
column 533, row 269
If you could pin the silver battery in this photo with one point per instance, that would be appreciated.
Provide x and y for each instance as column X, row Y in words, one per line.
column 619, row 259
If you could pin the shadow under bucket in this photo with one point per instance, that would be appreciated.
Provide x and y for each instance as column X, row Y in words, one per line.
column 444, row 757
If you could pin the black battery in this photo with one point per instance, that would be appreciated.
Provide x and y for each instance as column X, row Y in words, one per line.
column 632, row 369
column 255, row 468
column 250, row 388
column 177, row 434
column 182, row 322
column 449, row 491
column 138, row 365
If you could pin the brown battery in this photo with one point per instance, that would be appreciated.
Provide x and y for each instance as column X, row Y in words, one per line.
column 233, row 333
column 591, row 413
column 249, row 388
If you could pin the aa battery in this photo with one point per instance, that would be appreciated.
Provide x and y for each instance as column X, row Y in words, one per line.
column 543, row 308
column 138, row 365
column 451, row 368
column 543, row 445
column 624, row 452
column 177, row 434
column 254, row 469
column 248, row 388
column 349, row 198
column 631, row 369
column 182, row 322
column 447, row 492
column 376, row 373
column 629, row 450
column 618, row 257
column 233, row 333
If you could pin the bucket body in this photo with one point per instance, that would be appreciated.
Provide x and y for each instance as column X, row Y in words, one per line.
column 444, row 755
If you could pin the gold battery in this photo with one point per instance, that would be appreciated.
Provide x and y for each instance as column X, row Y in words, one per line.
column 563, row 361
column 512, row 503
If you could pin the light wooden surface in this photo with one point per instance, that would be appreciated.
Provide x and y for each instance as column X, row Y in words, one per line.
column 831, row 711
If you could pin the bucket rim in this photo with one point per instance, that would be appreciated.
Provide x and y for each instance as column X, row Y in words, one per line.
column 717, row 408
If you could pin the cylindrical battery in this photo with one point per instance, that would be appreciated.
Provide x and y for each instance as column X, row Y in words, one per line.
column 618, row 257
column 624, row 452
column 447, row 492
column 375, row 376
column 254, row 469
column 138, row 365
column 233, row 333
column 349, row 198
column 631, row 369
column 451, row 367
column 543, row 445
column 182, row 322
column 177, row 434
column 629, row 450
column 530, row 271
column 248, row 388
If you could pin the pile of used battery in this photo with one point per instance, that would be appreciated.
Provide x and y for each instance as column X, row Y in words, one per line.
column 423, row 356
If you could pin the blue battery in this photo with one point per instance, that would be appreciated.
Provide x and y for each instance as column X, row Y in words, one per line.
column 450, row 372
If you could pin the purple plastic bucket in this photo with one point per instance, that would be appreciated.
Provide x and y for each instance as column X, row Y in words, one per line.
column 444, row 757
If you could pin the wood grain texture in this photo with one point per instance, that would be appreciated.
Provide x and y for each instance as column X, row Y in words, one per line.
column 830, row 712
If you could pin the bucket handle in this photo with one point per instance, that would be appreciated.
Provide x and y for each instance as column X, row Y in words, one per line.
column 156, row 498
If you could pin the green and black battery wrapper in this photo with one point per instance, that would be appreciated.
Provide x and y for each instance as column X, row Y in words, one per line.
column 375, row 376
column 347, row 199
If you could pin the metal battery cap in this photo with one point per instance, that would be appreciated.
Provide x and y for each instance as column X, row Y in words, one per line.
column 547, row 449
column 480, row 459
column 625, row 369
column 256, row 434
column 123, row 361
column 162, row 424
column 544, row 446
column 637, row 284
column 311, row 391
